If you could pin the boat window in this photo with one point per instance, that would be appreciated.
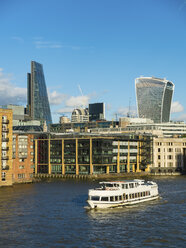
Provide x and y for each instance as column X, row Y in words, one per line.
column 126, row 197
column 109, row 185
column 143, row 193
column 125, row 186
column 136, row 184
column 131, row 185
column 120, row 197
column 132, row 195
column 116, row 198
column 111, row 198
column 104, row 198
column 136, row 195
column 95, row 198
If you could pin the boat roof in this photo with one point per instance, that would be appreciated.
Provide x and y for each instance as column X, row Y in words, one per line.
column 124, row 181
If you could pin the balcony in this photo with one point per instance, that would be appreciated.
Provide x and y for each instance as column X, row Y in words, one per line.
column 5, row 148
column 5, row 157
column 5, row 121
column 5, row 168
column 5, row 130
column 5, row 139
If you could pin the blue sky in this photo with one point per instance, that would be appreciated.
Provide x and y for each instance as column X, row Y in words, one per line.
column 92, row 51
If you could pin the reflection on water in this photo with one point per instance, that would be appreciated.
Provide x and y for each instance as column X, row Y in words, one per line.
column 53, row 215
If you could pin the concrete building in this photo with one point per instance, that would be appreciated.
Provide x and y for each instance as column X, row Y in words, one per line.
column 64, row 119
column 169, row 155
column 6, row 116
column 154, row 97
column 169, row 129
column 80, row 115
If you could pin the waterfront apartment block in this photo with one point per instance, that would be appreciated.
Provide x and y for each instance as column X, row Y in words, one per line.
column 169, row 155
column 6, row 117
column 23, row 157
column 92, row 154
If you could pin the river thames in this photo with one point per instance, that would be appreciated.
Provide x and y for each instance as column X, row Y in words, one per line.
column 52, row 214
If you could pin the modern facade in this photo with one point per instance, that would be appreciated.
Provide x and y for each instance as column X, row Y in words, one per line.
column 92, row 154
column 80, row 115
column 96, row 111
column 154, row 98
column 38, row 107
column 6, row 116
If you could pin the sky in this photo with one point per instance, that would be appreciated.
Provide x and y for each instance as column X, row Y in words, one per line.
column 92, row 51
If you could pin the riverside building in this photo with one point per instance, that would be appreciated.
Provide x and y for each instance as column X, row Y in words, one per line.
column 92, row 154
column 6, row 147
column 154, row 96
column 23, row 157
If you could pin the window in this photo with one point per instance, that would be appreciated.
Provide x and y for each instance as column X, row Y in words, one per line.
column 159, row 157
column 170, row 150
column 21, row 176
column 169, row 157
column 95, row 198
column 104, row 198
column 116, row 198
column 159, row 150
column 111, row 198
column 3, row 176
column 120, row 197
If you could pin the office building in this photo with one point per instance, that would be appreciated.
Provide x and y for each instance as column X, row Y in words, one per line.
column 92, row 154
column 154, row 98
column 96, row 111
column 38, row 107
column 80, row 115
column 5, row 147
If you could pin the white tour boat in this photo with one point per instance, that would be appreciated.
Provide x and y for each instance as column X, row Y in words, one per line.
column 121, row 193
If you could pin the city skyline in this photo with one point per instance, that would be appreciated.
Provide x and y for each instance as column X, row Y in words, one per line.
column 92, row 51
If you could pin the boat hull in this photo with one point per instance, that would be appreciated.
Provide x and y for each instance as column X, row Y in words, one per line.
column 104, row 205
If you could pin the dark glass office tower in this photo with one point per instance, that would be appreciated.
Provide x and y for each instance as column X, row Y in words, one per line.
column 38, row 104
column 96, row 111
column 154, row 97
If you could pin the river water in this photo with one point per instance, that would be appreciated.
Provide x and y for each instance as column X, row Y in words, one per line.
column 52, row 214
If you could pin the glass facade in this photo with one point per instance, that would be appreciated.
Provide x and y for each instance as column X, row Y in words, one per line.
column 38, row 104
column 93, row 155
column 154, row 98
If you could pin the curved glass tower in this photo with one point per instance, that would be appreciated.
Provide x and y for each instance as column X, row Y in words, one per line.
column 154, row 97
column 38, row 104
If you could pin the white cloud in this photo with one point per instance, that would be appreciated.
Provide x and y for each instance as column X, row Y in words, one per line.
column 65, row 110
column 181, row 117
column 9, row 93
column 78, row 101
column 176, row 107
column 56, row 98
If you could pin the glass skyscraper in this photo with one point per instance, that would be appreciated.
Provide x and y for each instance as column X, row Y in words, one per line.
column 38, row 104
column 154, row 96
